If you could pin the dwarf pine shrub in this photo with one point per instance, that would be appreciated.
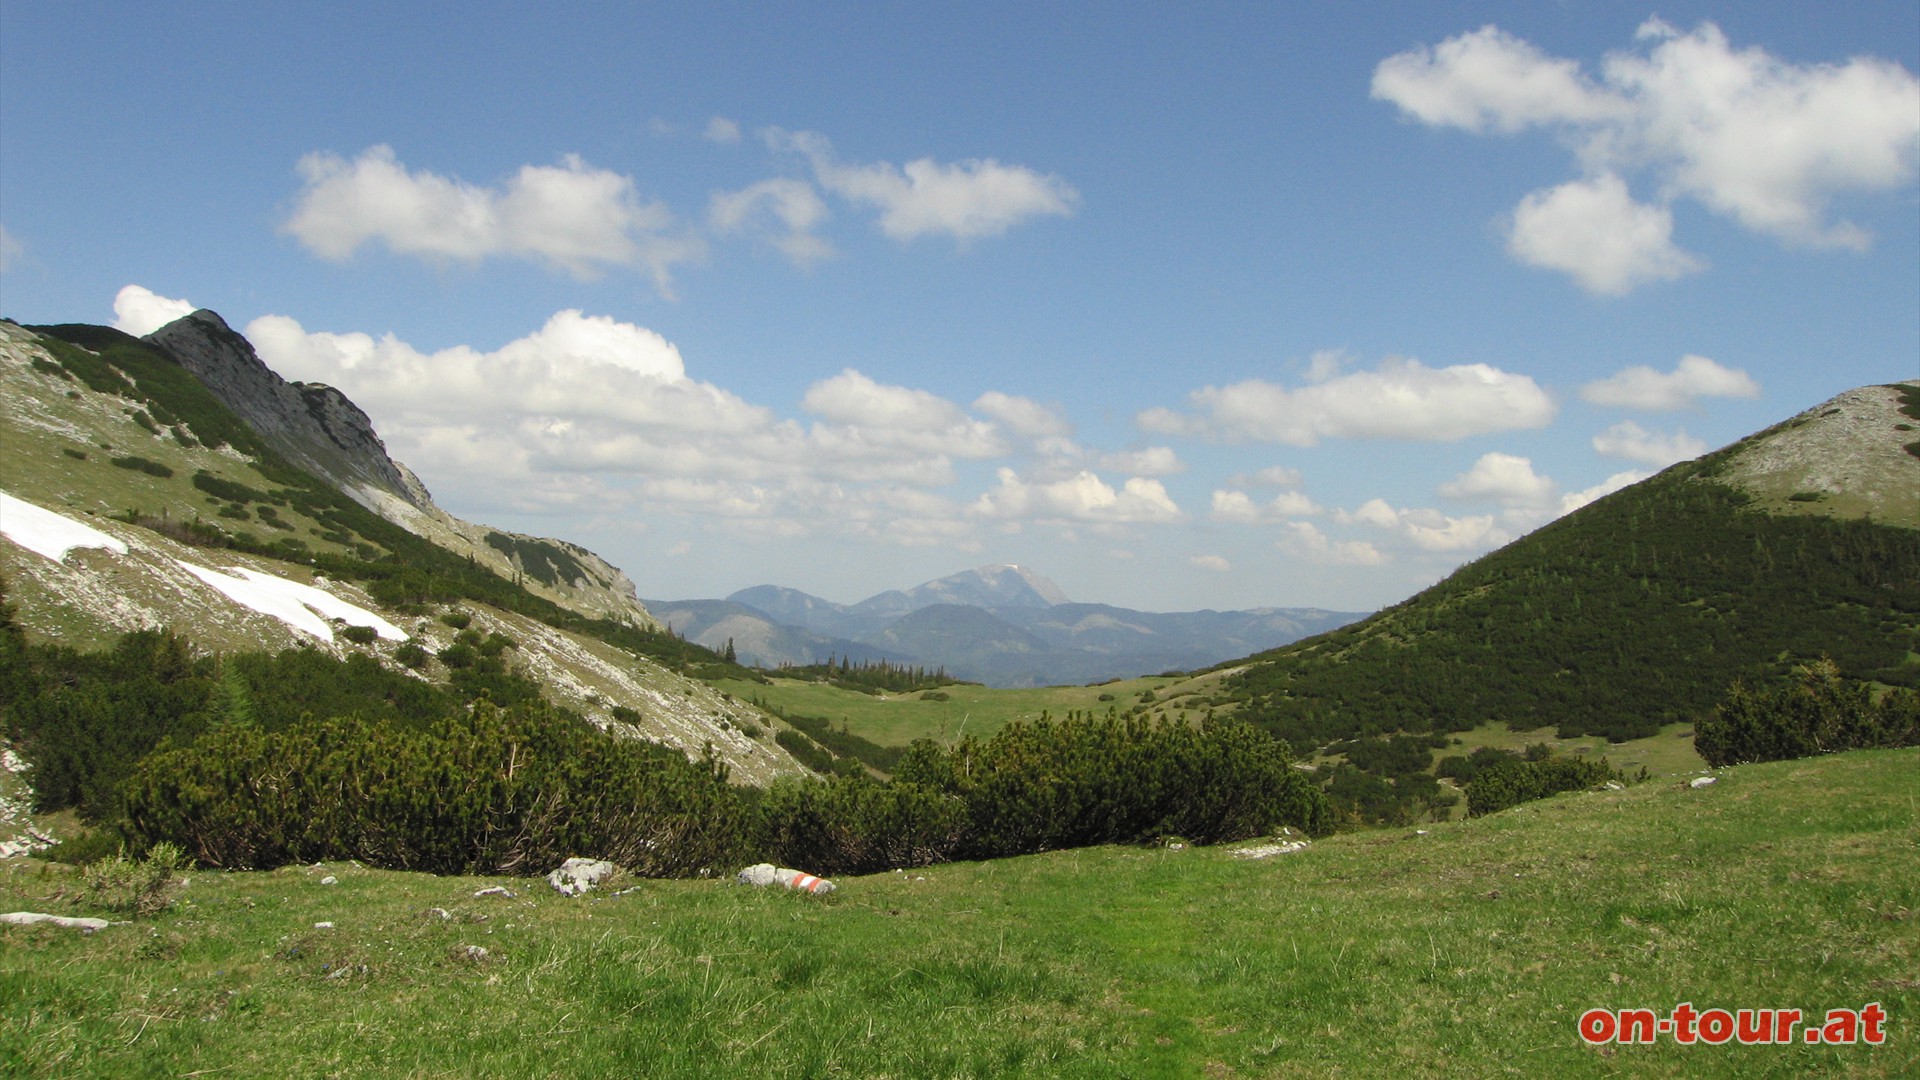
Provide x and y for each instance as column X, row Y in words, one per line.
column 1819, row 713
column 491, row 791
column 1049, row 784
column 1509, row 783
column 858, row 825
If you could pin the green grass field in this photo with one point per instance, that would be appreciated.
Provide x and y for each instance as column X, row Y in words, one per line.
column 1467, row 951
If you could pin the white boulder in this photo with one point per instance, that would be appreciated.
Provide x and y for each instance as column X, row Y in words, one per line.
column 576, row 876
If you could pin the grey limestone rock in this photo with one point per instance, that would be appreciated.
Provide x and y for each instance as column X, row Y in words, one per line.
column 576, row 876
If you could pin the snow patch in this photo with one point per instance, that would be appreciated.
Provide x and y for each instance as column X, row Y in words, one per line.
column 49, row 534
column 302, row 607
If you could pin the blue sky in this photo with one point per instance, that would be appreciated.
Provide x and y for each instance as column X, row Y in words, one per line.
column 1198, row 306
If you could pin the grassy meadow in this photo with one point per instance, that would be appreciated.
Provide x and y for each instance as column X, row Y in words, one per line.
column 1467, row 948
column 967, row 708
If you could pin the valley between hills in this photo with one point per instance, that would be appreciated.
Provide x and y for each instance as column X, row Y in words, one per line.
column 200, row 554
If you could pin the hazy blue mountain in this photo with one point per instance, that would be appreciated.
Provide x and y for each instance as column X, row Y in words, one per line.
column 758, row 639
column 985, row 587
column 1004, row 626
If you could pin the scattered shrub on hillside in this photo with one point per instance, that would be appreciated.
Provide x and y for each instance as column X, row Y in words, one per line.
column 88, row 847
column 186, row 530
column 410, row 655
column 137, row 887
column 805, row 751
column 221, row 488
column 843, row 744
column 1510, row 783
column 77, row 455
column 272, row 519
column 140, row 464
column 459, row 655
column 1463, row 769
column 457, row 619
column 1819, row 713
column 359, row 635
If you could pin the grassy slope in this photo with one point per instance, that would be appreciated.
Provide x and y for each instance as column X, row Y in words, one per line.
column 1467, row 951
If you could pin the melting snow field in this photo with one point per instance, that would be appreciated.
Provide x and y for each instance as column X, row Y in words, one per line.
column 302, row 607
column 47, row 533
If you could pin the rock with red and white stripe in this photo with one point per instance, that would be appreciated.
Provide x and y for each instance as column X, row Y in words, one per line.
column 769, row 874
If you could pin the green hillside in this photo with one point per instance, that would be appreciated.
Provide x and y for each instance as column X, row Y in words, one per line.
column 1634, row 612
column 1469, row 949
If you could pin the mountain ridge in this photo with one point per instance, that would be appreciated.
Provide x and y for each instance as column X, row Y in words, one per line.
column 194, row 524
column 317, row 428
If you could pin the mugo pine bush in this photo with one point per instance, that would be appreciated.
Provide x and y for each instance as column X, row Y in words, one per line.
column 1053, row 784
column 1818, row 714
column 496, row 790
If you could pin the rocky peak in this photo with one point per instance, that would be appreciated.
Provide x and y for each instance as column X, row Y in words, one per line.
column 314, row 426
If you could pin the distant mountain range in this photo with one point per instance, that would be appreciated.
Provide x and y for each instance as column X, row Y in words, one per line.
column 998, row 625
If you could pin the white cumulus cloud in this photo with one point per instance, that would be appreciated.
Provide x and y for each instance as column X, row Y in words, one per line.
column 139, row 311
column 1574, row 500
column 1594, row 231
column 1023, row 416
column 1081, row 498
column 1693, row 378
column 1426, row 528
column 791, row 204
column 1400, row 399
column 1211, row 562
column 965, row 200
column 1304, row 540
column 1764, row 142
column 572, row 216
column 721, row 130
column 1629, row 440
column 588, row 412
column 1490, row 80
column 1240, row 508
column 858, row 409
column 1502, row 478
